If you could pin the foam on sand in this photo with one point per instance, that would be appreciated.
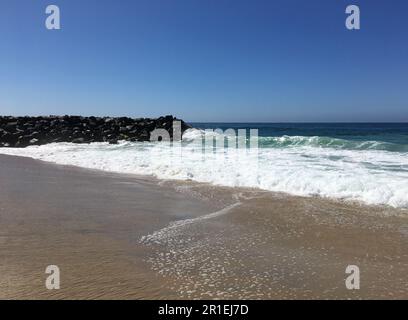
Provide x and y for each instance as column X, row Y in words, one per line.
column 164, row 235
column 372, row 176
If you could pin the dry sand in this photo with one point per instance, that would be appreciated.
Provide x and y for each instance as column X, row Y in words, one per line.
column 124, row 237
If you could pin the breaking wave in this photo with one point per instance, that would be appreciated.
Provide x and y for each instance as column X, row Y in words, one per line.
column 371, row 172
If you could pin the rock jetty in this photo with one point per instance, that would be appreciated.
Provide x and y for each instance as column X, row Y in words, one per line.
column 20, row 132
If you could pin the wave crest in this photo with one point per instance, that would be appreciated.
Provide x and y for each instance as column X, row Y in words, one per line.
column 307, row 166
column 328, row 142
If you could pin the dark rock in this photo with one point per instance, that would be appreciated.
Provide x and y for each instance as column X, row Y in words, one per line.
column 34, row 141
column 25, row 131
column 11, row 127
column 78, row 140
column 8, row 138
column 143, row 136
column 77, row 134
column 22, row 141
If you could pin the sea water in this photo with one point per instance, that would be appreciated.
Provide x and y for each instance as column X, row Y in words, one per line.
column 361, row 162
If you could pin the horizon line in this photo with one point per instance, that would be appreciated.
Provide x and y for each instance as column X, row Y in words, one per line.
column 215, row 122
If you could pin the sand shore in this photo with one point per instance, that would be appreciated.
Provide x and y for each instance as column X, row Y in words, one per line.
column 125, row 237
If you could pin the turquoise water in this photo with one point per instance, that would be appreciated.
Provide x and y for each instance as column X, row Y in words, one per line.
column 354, row 136
column 359, row 162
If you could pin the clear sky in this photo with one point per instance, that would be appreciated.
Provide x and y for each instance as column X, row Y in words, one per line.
column 206, row 60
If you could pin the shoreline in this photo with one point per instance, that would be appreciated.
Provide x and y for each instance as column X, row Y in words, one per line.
column 401, row 211
column 270, row 246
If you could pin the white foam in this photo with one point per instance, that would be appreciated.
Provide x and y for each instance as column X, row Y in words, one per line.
column 176, row 227
column 371, row 176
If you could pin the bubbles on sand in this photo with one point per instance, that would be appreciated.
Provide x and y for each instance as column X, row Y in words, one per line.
column 208, row 258
column 370, row 176
column 274, row 247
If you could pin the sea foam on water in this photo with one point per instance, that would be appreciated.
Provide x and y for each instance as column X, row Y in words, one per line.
column 302, row 167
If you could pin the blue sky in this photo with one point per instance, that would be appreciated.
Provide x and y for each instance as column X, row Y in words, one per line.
column 206, row 60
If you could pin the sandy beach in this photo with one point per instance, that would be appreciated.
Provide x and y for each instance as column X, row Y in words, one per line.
column 127, row 237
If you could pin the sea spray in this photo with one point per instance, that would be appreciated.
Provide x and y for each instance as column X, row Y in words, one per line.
column 364, row 171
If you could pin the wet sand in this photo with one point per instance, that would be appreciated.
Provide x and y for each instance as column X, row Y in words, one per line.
column 124, row 237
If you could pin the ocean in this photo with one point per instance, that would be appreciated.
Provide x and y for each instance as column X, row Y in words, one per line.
column 363, row 162
column 360, row 136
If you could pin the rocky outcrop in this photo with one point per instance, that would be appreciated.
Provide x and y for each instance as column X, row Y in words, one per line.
column 25, row 131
